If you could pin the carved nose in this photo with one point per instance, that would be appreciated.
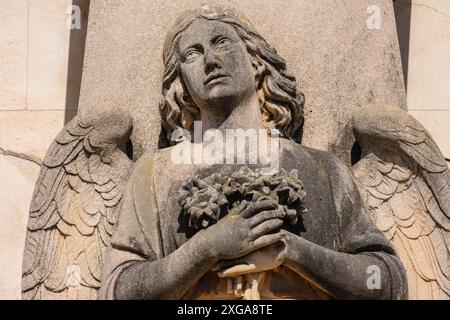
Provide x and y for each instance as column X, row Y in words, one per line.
column 211, row 61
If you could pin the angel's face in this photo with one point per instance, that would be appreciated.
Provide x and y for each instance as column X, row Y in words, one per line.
column 215, row 65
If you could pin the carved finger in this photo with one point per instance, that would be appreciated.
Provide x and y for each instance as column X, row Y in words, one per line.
column 257, row 207
column 265, row 215
column 267, row 240
column 237, row 270
column 239, row 208
column 265, row 228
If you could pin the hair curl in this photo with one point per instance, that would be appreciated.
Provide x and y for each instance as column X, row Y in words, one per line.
column 281, row 102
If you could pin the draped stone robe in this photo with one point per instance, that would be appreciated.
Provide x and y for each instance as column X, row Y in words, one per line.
column 150, row 226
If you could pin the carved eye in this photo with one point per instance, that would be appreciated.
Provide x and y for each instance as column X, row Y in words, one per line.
column 223, row 43
column 191, row 55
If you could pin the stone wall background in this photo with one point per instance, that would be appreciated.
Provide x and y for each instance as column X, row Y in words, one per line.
column 428, row 78
column 34, row 43
column 339, row 63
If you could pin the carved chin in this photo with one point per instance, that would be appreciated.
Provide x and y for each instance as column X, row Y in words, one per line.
column 222, row 93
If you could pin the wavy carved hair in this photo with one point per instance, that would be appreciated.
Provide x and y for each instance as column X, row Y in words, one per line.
column 281, row 102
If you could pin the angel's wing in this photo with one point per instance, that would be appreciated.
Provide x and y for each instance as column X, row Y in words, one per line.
column 74, row 208
column 405, row 182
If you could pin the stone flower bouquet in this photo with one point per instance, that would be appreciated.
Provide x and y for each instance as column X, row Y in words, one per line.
column 205, row 201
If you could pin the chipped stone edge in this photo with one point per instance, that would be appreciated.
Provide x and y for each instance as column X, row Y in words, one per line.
column 22, row 156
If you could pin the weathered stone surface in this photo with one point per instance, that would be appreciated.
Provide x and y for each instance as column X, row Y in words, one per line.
column 339, row 63
column 429, row 68
column 34, row 44
column 405, row 182
column 29, row 132
column 34, row 48
column 429, row 65
column 83, row 168
column 18, row 178
column 24, row 140
column 13, row 54
column 437, row 123
column 48, row 54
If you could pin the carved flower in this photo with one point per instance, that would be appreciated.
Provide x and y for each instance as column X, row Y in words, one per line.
column 202, row 201
column 205, row 201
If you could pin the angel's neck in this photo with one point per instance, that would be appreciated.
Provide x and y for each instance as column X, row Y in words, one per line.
column 244, row 115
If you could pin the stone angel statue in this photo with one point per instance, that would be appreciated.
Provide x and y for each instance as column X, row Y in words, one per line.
column 405, row 182
column 210, row 231
column 74, row 208
column 200, row 230
column 304, row 234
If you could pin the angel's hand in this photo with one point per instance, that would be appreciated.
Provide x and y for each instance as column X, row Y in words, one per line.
column 267, row 258
column 239, row 234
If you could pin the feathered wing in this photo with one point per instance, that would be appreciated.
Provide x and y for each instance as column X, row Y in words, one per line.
column 405, row 182
column 74, row 208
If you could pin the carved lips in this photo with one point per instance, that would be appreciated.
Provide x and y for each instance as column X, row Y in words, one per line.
column 215, row 78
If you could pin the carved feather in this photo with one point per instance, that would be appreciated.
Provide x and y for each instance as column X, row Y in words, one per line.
column 74, row 208
column 405, row 182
